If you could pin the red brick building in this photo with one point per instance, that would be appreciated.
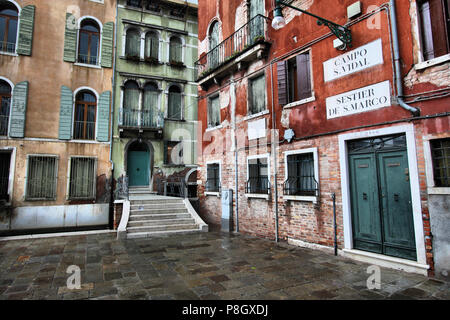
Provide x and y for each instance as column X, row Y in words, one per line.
column 291, row 117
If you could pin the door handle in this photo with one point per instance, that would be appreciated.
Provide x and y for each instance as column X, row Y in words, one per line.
column 364, row 196
column 396, row 196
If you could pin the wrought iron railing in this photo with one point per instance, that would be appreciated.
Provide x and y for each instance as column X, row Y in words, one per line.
column 4, row 121
column 133, row 118
column 301, row 186
column 247, row 36
column 259, row 185
column 212, row 185
column 84, row 130
column 121, row 191
column 173, row 187
column 8, row 47
column 87, row 59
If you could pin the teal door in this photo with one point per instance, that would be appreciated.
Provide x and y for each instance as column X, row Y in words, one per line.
column 380, row 191
column 138, row 168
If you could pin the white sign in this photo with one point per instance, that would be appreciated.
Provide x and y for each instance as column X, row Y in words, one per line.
column 353, row 61
column 257, row 129
column 361, row 100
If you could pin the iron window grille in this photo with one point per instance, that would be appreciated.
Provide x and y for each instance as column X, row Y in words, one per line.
column 213, row 178
column 440, row 151
column 82, row 179
column 42, row 178
column 258, row 182
column 301, row 179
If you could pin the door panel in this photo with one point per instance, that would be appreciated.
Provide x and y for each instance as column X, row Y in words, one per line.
column 398, row 225
column 365, row 204
column 138, row 168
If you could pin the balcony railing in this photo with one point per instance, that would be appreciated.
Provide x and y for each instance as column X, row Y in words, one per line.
column 301, row 186
column 8, row 47
column 244, row 38
column 258, row 185
column 141, row 119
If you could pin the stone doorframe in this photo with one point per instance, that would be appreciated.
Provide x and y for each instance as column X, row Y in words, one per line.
column 151, row 150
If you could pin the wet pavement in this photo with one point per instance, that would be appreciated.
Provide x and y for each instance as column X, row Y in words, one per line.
column 206, row 266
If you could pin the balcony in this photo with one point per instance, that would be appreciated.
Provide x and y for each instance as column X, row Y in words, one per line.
column 247, row 44
column 135, row 122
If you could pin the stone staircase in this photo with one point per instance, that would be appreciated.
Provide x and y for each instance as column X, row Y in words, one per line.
column 153, row 215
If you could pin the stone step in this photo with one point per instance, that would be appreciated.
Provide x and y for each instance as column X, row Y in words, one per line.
column 137, row 235
column 157, row 211
column 162, row 216
column 153, row 199
column 163, row 228
column 146, row 205
column 164, row 222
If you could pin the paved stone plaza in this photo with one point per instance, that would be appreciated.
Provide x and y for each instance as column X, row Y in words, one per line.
column 197, row 266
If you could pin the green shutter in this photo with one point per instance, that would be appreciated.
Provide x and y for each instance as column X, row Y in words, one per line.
column 19, row 110
column 103, row 117
column 26, row 27
column 107, row 44
column 70, row 38
column 65, row 114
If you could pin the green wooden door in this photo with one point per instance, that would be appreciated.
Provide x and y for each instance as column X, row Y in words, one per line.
column 382, row 217
column 138, row 168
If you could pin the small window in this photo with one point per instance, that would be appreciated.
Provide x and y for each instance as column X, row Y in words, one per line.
column 214, row 112
column 151, row 47
column 173, row 153
column 85, row 116
column 133, row 44
column 258, row 173
column 41, row 178
column 8, row 27
column 174, row 110
column 5, row 107
column 294, row 79
column 213, row 177
column 153, row 5
column 301, row 179
column 134, row 3
column 257, row 94
column 89, row 42
column 434, row 27
column 82, row 179
column 440, row 152
column 175, row 50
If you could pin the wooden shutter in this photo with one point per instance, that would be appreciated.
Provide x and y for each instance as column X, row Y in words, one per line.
column 65, row 114
column 19, row 110
column 103, row 116
column 303, row 76
column 26, row 28
column 282, row 83
column 438, row 26
column 107, row 44
column 70, row 38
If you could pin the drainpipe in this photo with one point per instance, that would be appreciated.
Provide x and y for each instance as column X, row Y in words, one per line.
column 398, row 71
column 275, row 155
column 233, row 110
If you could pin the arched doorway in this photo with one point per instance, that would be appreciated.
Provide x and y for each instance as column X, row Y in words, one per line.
column 138, row 164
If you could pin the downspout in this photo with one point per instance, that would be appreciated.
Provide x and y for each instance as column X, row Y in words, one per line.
column 398, row 70
column 233, row 110
column 275, row 155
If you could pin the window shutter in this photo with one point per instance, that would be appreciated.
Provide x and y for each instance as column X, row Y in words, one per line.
column 103, row 116
column 282, row 83
column 65, row 114
column 70, row 38
column 26, row 28
column 107, row 44
column 303, row 76
column 19, row 110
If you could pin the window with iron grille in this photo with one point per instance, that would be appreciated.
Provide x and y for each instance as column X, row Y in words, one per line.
column 213, row 177
column 8, row 27
column 258, row 176
column 440, row 152
column 82, row 179
column 41, row 181
column 301, row 179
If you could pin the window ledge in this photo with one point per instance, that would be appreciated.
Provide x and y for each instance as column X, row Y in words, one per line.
column 300, row 102
column 9, row 54
column 432, row 62
column 214, row 128
column 208, row 193
column 87, row 65
column 257, row 196
column 301, row 198
column 256, row 115
column 437, row 190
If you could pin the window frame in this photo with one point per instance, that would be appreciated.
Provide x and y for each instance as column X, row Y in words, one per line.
column 19, row 9
column 126, row 37
column 99, row 59
column 208, row 124
column 259, row 195
column 250, row 95
column 182, row 49
column 214, row 193
column 26, row 187
column 97, row 97
column 429, row 165
column 315, row 153
column 69, row 177
column 11, row 86
column 86, row 106
column 181, row 93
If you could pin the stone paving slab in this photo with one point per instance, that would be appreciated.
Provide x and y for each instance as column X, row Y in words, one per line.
column 207, row 266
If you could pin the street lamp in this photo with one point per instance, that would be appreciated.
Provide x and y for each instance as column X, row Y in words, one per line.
column 342, row 33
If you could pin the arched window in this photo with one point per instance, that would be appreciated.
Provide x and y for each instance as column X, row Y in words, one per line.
column 133, row 43
column 131, row 104
column 8, row 27
column 89, row 42
column 213, row 43
column 174, row 110
column 175, row 50
column 150, row 106
column 152, row 46
column 5, row 103
column 85, row 116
